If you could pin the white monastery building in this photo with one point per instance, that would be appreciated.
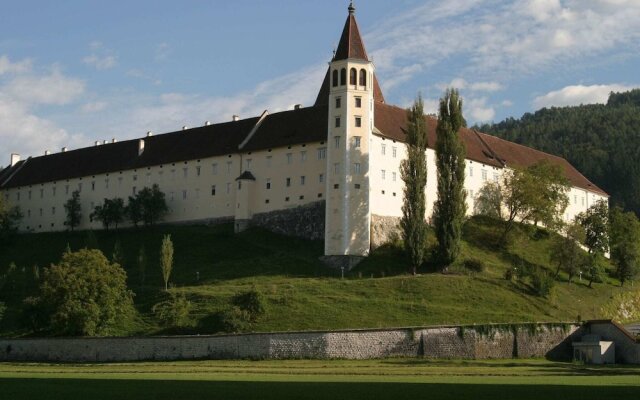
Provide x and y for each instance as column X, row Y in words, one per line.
column 331, row 170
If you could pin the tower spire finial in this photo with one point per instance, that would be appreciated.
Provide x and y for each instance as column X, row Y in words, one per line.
column 351, row 8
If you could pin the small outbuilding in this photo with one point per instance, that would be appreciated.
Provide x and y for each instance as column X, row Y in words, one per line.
column 592, row 350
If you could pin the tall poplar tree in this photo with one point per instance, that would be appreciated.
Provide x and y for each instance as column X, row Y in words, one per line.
column 413, row 171
column 450, row 207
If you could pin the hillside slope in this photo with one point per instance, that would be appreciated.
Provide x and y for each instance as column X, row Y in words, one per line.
column 212, row 265
column 601, row 141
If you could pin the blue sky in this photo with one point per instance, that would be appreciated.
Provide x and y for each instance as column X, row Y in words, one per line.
column 72, row 72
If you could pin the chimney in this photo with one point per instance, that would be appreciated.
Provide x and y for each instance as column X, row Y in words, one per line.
column 64, row 149
column 149, row 133
column 184, row 128
column 297, row 106
column 236, row 118
column 47, row 152
column 207, row 123
column 113, row 140
column 104, row 142
column 15, row 158
column 140, row 146
column 97, row 143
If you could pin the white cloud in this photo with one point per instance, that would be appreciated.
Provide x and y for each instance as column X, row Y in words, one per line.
column 94, row 106
column 461, row 84
column 6, row 66
column 507, row 103
column 480, row 111
column 578, row 94
column 53, row 88
column 100, row 63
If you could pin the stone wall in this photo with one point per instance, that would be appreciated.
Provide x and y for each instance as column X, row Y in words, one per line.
column 305, row 221
column 383, row 230
column 438, row 342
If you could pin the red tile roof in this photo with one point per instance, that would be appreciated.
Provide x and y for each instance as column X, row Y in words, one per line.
column 351, row 44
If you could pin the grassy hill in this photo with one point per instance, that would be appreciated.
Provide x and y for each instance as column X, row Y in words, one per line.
column 212, row 265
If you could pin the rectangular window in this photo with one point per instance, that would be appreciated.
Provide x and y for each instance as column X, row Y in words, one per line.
column 575, row 199
column 356, row 142
column 184, row 195
column 41, row 212
column 337, row 122
column 336, row 141
column 172, row 196
column 213, row 190
column 288, row 182
column 338, row 102
column 268, row 161
column 303, row 156
column 228, row 187
column 289, row 158
column 356, row 168
column 28, row 195
column 358, row 102
column 394, row 151
column 302, row 179
column 383, row 149
column 197, row 171
column 322, row 153
column 53, row 211
column 214, row 169
column 18, row 196
column 80, row 187
column 93, row 187
column 321, row 178
column 119, row 181
column 135, row 178
column 42, row 190
column 149, row 176
column 336, row 168
column 53, row 191
column 495, row 177
column 470, row 171
column 484, row 175
column 229, row 167
column 248, row 163
column 268, row 184
column 134, row 190
column 185, row 172
column 383, row 174
column 393, row 176
column 358, row 122
column 357, row 186
column 106, row 183
column 66, row 189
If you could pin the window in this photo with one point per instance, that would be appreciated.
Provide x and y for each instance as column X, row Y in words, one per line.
column 353, row 77
column 356, row 141
column 229, row 167
column 133, row 190
column 303, row 156
column 337, row 122
column 357, row 186
column 338, row 102
column 301, row 197
column 289, row 158
column 172, row 196
column 356, row 168
column 383, row 174
column 239, row 185
column 214, row 169
column 93, row 187
column 213, row 190
column 336, row 168
column 41, row 212
column 135, row 178
column 185, row 172
column 80, row 187
column 173, row 174
column 343, row 76
column 358, row 122
column 358, row 102
column 393, row 176
column 484, row 175
column 269, row 161
column 286, row 199
column 321, row 178
column 302, row 180
column 197, row 171
column 53, row 190
column 119, row 183
column 471, row 193
column 336, row 141
column 149, row 175
column 266, row 201
column 363, row 77
column 184, row 195
column 383, row 149
column 93, row 184
column 29, row 213
column 495, row 177
column 66, row 188
column 248, row 163
column 470, row 171
column 288, row 182
column 106, row 183
column 322, row 153
column 53, row 211
column 268, row 184
column 228, row 187
column 334, row 80
column 394, row 151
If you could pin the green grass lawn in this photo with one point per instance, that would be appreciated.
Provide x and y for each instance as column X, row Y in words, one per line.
column 320, row 379
column 212, row 265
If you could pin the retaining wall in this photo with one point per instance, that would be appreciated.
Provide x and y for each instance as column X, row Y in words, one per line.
column 498, row 341
column 305, row 221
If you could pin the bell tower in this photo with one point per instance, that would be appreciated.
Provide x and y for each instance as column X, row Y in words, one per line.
column 352, row 84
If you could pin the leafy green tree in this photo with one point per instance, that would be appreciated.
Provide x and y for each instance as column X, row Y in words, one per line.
column 552, row 200
column 566, row 252
column 595, row 222
column 84, row 294
column 134, row 210
column 73, row 211
column 413, row 171
column 595, row 268
column 450, row 207
column 488, row 201
column 174, row 312
column 10, row 218
column 625, row 243
column 112, row 211
column 166, row 260
column 154, row 205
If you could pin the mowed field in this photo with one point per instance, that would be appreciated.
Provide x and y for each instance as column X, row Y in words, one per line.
column 320, row 379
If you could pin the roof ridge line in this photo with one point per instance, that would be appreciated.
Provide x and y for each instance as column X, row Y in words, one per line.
column 254, row 130
column 15, row 172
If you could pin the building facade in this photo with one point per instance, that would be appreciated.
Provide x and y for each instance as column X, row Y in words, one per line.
column 342, row 155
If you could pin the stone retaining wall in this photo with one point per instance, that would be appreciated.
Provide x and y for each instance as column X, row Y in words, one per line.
column 437, row 342
column 383, row 230
column 304, row 221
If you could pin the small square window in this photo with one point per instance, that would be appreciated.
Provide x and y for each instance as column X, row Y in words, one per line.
column 358, row 102
column 266, row 201
column 286, row 199
column 357, row 186
column 319, row 195
column 302, row 180
column 301, row 197
column 268, row 184
column 288, row 184
column 213, row 190
column 358, row 122
column 338, row 102
column 336, row 186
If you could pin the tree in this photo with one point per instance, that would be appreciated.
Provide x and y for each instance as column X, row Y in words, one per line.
column 134, row 210
column 566, row 252
column 595, row 268
column 142, row 265
column 552, row 200
column 413, row 171
column 73, row 210
column 154, row 205
column 166, row 259
column 85, row 294
column 595, row 222
column 488, row 201
column 10, row 218
column 112, row 211
column 450, row 207
column 625, row 243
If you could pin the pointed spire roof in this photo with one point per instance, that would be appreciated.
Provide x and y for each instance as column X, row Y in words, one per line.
column 351, row 44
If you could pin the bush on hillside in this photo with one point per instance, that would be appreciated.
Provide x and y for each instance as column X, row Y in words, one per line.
column 3, row 308
column 251, row 302
column 542, row 282
column 174, row 312
column 474, row 265
column 233, row 320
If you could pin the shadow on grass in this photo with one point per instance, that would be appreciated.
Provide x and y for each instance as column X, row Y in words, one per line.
column 96, row 389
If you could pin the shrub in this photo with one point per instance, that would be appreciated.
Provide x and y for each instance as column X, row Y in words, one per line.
column 473, row 264
column 542, row 282
column 3, row 308
column 508, row 274
column 234, row 320
column 174, row 312
column 251, row 302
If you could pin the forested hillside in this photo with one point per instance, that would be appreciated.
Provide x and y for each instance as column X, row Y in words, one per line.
column 602, row 141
